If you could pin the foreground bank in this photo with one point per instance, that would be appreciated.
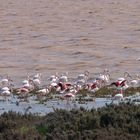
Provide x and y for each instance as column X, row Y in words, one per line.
column 108, row 123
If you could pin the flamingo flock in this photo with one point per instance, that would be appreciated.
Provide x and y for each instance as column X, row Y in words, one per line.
column 61, row 85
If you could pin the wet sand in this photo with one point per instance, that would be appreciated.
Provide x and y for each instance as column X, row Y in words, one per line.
column 49, row 36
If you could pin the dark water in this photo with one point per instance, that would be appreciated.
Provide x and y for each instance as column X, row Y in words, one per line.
column 49, row 36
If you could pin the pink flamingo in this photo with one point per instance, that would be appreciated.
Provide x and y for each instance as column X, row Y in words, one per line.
column 93, row 87
column 23, row 92
column 68, row 96
column 121, row 83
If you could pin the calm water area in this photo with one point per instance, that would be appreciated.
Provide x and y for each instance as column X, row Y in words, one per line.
column 49, row 36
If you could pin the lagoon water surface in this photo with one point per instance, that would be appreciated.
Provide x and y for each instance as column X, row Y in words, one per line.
column 49, row 36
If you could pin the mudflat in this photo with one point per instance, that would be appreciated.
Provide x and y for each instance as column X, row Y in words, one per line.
column 49, row 36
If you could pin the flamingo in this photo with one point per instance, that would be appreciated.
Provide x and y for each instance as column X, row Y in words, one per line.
column 134, row 83
column 53, row 78
column 28, row 83
column 103, row 78
column 81, row 83
column 36, row 80
column 82, row 79
column 23, row 92
column 6, row 82
column 94, row 87
column 5, row 92
column 68, row 95
column 25, row 83
column 63, row 78
column 121, row 83
column 83, row 76
column 53, row 84
column 25, row 88
column 37, row 76
column 70, row 92
column 118, row 96
column 61, row 87
column 89, row 85
column 42, row 93
column 134, row 80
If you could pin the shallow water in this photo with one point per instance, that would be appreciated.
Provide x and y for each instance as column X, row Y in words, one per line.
column 35, row 107
column 41, row 109
column 49, row 36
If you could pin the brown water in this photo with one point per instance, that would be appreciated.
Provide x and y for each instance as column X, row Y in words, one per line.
column 51, row 36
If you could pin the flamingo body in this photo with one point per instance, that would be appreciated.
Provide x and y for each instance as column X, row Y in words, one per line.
column 24, row 90
column 118, row 96
column 43, row 91
column 69, row 95
column 36, row 82
column 81, row 76
column 27, row 86
column 25, row 82
column 134, row 83
column 63, row 79
column 5, row 91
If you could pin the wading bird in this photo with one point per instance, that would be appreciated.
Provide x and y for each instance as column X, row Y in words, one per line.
column 5, row 92
column 103, row 78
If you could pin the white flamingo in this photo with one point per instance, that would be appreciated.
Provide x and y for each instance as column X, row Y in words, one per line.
column 63, row 78
column 53, row 79
column 36, row 80
column 83, row 76
column 118, row 96
column 5, row 92
column 82, row 79
column 81, row 82
column 26, row 84
column 134, row 81
column 42, row 93
column 6, row 82
column 103, row 78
